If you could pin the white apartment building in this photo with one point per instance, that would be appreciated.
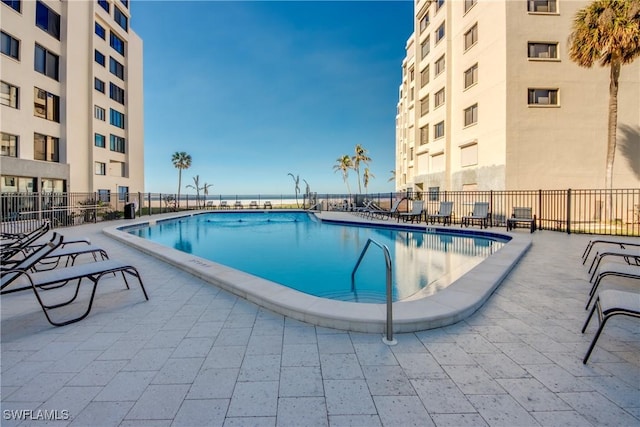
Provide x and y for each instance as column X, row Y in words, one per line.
column 72, row 98
column 490, row 100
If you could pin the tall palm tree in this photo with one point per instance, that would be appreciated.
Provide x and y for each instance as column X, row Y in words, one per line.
column 206, row 188
column 296, row 180
column 180, row 160
column 607, row 31
column 360, row 156
column 393, row 176
column 366, row 176
column 343, row 164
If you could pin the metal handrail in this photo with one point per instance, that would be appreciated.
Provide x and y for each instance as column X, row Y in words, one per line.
column 389, row 327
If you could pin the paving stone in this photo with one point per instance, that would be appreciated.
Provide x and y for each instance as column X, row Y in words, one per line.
column 420, row 366
column 102, row 414
column 387, row 381
column 208, row 413
column 402, row 411
column 354, row 421
column 264, row 344
column 302, row 411
column 178, row 371
column 473, row 380
column 159, row 402
column 335, row 343
column 300, row 355
column 375, row 354
column 340, row 367
column 193, row 347
column 442, row 396
column 223, row 378
column 501, row 410
column 299, row 334
column 126, row 386
column 348, row 397
column 301, row 382
column 254, row 399
column 532, row 395
column 260, row 368
column 458, row 420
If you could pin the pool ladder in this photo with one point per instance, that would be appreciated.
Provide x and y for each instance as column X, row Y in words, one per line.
column 388, row 339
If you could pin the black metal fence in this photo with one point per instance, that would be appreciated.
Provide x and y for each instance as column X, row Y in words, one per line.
column 614, row 212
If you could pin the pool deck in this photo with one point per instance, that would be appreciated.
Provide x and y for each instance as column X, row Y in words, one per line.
column 197, row 355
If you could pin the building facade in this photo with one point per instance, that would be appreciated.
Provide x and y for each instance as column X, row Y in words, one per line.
column 72, row 98
column 490, row 100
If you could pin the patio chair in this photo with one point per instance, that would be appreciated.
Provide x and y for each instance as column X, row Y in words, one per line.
column 417, row 209
column 592, row 243
column 480, row 214
column 267, row 205
column 611, row 303
column 210, row 205
column 253, row 205
column 521, row 215
column 67, row 252
column 615, row 269
column 629, row 255
column 224, row 205
column 238, row 205
column 445, row 212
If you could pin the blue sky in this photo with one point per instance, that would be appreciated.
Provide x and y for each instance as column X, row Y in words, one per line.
column 256, row 90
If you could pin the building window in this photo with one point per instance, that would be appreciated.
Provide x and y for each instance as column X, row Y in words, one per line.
column 100, row 31
column 9, row 146
column 98, row 112
column 47, row 20
column 100, row 168
column 9, row 95
column 99, row 140
column 125, row 3
column 424, row 76
column 424, row 22
column 116, row 118
column 424, row 135
column 412, row 74
column 10, row 46
column 104, row 196
column 543, row 96
column 439, row 65
column 438, row 130
column 123, row 192
column 468, row 4
column 45, row 148
column 46, row 105
column 46, row 62
column 120, row 18
column 116, row 93
column 98, row 84
column 116, row 143
column 440, row 33
column 471, row 37
column 411, row 96
column 117, row 43
column 541, row 6
column 99, row 57
column 424, row 105
column 439, row 4
column 425, row 48
column 469, row 155
column 543, row 50
column 471, row 76
column 471, row 115
column 104, row 4
column 116, row 68
column 13, row 4
column 438, row 99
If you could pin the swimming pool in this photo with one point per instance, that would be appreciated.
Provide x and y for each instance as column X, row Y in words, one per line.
column 298, row 251
column 452, row 304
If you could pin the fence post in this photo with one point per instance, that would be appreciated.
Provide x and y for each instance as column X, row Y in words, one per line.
column 491, row 206
column 569, row 211
column 540, row 209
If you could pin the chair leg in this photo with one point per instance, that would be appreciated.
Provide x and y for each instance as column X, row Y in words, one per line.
column 598, row 332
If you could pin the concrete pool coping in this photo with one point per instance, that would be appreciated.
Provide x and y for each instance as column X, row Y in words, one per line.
column 448, row 306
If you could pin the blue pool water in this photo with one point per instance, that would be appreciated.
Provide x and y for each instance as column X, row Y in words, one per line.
column 298, row 251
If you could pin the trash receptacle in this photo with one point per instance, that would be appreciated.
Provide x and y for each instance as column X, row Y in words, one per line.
column 129, row 211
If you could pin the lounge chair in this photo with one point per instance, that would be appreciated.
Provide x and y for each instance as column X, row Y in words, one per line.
column 480, row 214
column 224, row 205
column 238, row 205
column 377, row 211
column 16, row 243
column 253, row 205
column 630, row 255
column 267, row 205
column 615, row 269
column 417, row 208
column 610, row 303
column 617, row 243
column 210, row 205
column 43, row 281
column 445, row 212
column 522, row 216
column 68, row 253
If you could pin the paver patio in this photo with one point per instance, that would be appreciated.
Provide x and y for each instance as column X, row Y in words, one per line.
column 195, row 355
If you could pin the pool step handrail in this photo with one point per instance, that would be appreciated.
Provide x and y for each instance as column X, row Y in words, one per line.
column 388, row 339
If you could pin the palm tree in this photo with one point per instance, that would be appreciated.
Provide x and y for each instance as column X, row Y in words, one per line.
column 343, row 164
column 607, row 31
column 180, row 160
column 360, row 156
column 296, row 180
column 366, row 176
column 393, row 176
column 206, row 188
column 196, row 186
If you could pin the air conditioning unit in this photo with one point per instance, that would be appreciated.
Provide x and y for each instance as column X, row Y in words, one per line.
column 544, row 100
